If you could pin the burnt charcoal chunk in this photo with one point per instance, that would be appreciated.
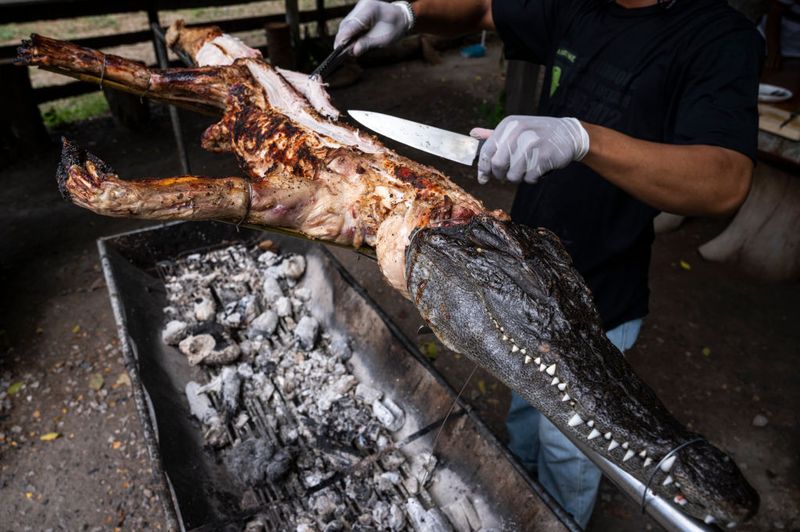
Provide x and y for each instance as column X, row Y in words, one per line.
column 279, row 465
column 250, row 460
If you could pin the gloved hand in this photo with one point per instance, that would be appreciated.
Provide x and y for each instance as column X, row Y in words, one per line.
column 373, row 24
column 527, row 147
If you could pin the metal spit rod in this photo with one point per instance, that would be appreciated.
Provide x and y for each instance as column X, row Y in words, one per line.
column 660, row 510
column 159, row 43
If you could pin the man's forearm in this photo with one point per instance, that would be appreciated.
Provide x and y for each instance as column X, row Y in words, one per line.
column 690, row 180
column 451, row 17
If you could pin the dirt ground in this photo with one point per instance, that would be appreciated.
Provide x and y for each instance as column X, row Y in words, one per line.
column 719, row 348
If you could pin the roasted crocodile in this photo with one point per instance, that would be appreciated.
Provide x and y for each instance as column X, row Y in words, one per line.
column 505, row 295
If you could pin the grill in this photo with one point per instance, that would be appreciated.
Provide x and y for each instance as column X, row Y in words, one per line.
column 199, row 489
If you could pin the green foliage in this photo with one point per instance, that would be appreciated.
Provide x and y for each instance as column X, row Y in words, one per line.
column 60, row 112
column 10, row 32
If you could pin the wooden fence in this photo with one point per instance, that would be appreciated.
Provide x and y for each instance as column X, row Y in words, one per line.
column 24, row 125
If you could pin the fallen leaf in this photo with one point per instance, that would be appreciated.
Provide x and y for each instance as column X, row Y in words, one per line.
column 123, row 380
column 36, row 414
column 50, row 436
column 685, row 265
column 430, row 350
column 482, row 386
column 116, row 444
column 14, row 388
column 29, row 494
column 707, row 351
column 76, row 329
column 96, row 381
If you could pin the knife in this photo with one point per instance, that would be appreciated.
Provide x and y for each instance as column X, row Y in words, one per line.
column 446, row 144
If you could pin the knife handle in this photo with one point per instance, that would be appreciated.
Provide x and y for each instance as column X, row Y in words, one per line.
column 481, row 142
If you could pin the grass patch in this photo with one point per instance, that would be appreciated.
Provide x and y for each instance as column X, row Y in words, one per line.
column 10, row 32
column 60, row 112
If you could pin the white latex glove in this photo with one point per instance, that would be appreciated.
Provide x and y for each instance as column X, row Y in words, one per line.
column 527, row 147
column 374, row 24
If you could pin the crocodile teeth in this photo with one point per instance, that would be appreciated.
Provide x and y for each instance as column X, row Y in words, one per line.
column 538, row 360
column 625, row 445
column 574, row 421
column 648, row 461
column 542, row 367
column 590, row 423
column 527, row 359
column 666, row 465
column 613, row 445
column 667, row 481
column 643, row 453
column 732, row 524
column 594, row 434
column 562, row 386
column 514, row 349
column 709, row 519
column 565, row 398
column 628, row 456
column 554, row 381
column 523, row 351
column 551, row 370
column 505, row 337
column 680, row 499
column 607, row 435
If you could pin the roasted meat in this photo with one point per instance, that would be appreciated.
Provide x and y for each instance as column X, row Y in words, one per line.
column 504, row 295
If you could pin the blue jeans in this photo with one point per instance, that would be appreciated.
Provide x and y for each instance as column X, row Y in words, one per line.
column 566, row 474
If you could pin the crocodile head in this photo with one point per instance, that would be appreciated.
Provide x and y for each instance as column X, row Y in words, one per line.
column 507, row 296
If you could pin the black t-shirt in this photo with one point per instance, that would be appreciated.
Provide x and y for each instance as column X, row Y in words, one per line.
column 684, row 75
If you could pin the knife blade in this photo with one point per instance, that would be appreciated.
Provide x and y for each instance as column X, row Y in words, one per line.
column 440, row 142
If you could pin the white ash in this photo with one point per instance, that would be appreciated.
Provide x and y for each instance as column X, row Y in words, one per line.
column 389, row 414
column 281, row 404
column 202, row 349
column 306, row 332
column 200, row 405
column 283, row 307
column 205, row 309
column 174, row 331
column 271, row 289
column 227, row 385
column 264, row 325
column 367, row 393
column 431, row 520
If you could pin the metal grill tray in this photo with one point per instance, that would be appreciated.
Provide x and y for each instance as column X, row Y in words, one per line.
column 197, row 490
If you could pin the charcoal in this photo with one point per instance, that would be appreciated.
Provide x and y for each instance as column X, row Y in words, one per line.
column 205, row 309
column 200, row 405
column 279, row 465
column 432, row 520
column 306, row 332
column 281, row 404
column 292, row 268
column 250, row 460
column 283, row 307
column 174, row 331
column 271, row 290
column 264, row 325
column 367, row 393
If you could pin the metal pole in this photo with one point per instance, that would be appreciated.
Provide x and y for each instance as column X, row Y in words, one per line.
column 159, row 43
column 293, row 20
column 660, row 510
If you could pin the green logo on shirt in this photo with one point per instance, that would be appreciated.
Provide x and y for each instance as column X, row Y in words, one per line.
column 566, row 54
column 554, row 79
